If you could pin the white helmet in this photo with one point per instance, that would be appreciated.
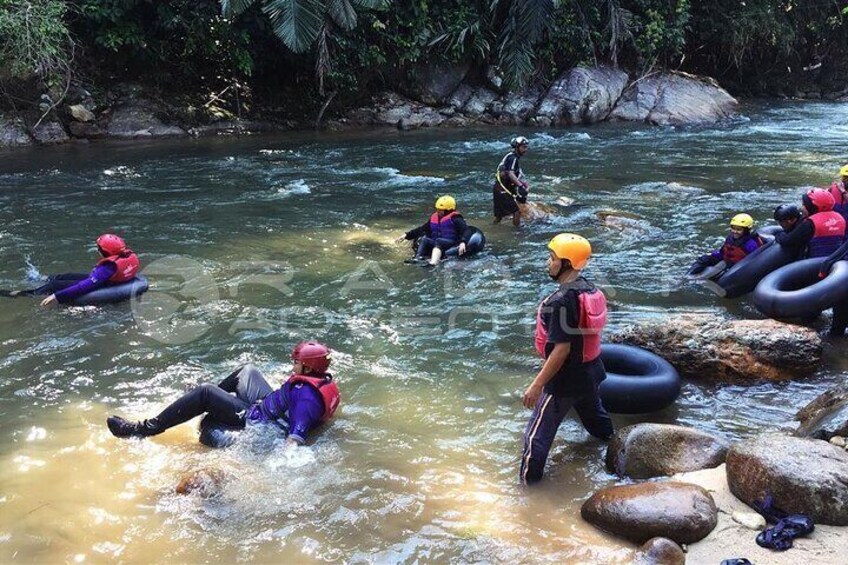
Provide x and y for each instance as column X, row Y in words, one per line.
column 520, row 140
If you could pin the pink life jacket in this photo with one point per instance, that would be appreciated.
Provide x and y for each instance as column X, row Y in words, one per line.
column 127, row 264
column 326, row 388
column 591, row 321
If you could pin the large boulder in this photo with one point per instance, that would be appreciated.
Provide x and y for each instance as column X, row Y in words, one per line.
column 432, row 84
column 581, row 96
column 674, row 99
column 517, row 107
column 659, row 551
column 479, row 101
column 803, row 476
column 50, row 132
column 139, row 118
column 391, row 109
column 643, row 451
column 13, row 132
column 682, row 512
column 826, row 416
column 702, row 347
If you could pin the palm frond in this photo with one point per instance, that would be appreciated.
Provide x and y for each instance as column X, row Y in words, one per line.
column 373, row 4
column 342, row 13
column 296, row 22
column 231, row 8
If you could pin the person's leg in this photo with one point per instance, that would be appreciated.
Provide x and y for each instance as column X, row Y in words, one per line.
column 516, row 218
column 206, row 398
column 53, row 284
column 475, row 244
column 594, row 416
column 248, row 383
column 425, row 247
column 539, row 436
column 440, row 245
column 840, row 320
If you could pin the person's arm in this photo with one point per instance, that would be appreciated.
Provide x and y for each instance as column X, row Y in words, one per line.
column 461, row 226
column 98, row 278
column 423, row 229
column 751, row 245
column 799, row 237
column 553, row 364
column 305, row 412
column 837, row 255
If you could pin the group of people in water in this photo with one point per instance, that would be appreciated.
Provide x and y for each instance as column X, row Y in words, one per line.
column 816, row 228
column 569, row 323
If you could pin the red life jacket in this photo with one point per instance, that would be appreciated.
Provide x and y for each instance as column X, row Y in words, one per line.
column 591, row 321
column 733, row 250
column 127, row 264
column 326, row 388
column 828, row 235
column 837, row 191
column 443, row 227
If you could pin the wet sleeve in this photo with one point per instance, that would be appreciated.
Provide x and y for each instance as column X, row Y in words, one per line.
column 98, row 278
column 798, row 237
column 751, row 245
column 562, row 327
column 423, row 229
column 305, row 411
column 461, row 227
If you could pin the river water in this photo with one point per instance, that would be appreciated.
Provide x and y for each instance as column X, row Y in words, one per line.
column 252, row 244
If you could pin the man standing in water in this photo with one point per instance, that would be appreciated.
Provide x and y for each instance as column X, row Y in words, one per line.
column 510, row 189
column 568, row 336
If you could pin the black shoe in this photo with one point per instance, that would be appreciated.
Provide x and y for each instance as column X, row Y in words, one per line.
column 124, row 428
column 414, row 260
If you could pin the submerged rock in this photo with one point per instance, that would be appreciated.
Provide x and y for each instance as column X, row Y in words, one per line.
column 205, row 482
column 682, row 512
column 701, row 347
column 674, row 99
column 643, row 451
column 826, row 416
column 659, row 551
column 803, row 476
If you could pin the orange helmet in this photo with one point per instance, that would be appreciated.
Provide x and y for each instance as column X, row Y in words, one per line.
column 573, row 247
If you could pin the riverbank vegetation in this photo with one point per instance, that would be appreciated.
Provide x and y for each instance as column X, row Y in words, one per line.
column 276, row 52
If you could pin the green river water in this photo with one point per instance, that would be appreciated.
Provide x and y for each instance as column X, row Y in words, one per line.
column 252, row 244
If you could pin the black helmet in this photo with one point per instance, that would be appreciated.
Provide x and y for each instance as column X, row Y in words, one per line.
column 786, row 212
column 520, row 140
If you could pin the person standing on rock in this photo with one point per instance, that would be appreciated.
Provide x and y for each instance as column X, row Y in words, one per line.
column 568, row 336
column 509, row 191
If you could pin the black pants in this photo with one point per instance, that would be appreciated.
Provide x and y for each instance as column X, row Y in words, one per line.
column 55, row 283
column 543, row 425
column 840, row 319
column 226, row 403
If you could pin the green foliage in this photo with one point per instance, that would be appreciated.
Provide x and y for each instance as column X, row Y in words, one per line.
column 34, row 39
column 185, row 40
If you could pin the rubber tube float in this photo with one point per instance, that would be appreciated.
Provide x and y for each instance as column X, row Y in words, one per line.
column 113, row 293
column 796, row 291
column 743, row 277
column 638, row 381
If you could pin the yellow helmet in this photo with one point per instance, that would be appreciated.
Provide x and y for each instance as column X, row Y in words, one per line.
column 573, row 247
column 446, row 203
column 742, row 221
column 843, row 172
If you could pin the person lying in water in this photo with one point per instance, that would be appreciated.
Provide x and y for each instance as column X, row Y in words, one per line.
column 307, row 399
column 740, row 242
column 445, row 234
column 118, row 264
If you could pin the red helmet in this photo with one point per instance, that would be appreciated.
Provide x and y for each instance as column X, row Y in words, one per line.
column 822, row 200
column 312, row 354
column 111, row 244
